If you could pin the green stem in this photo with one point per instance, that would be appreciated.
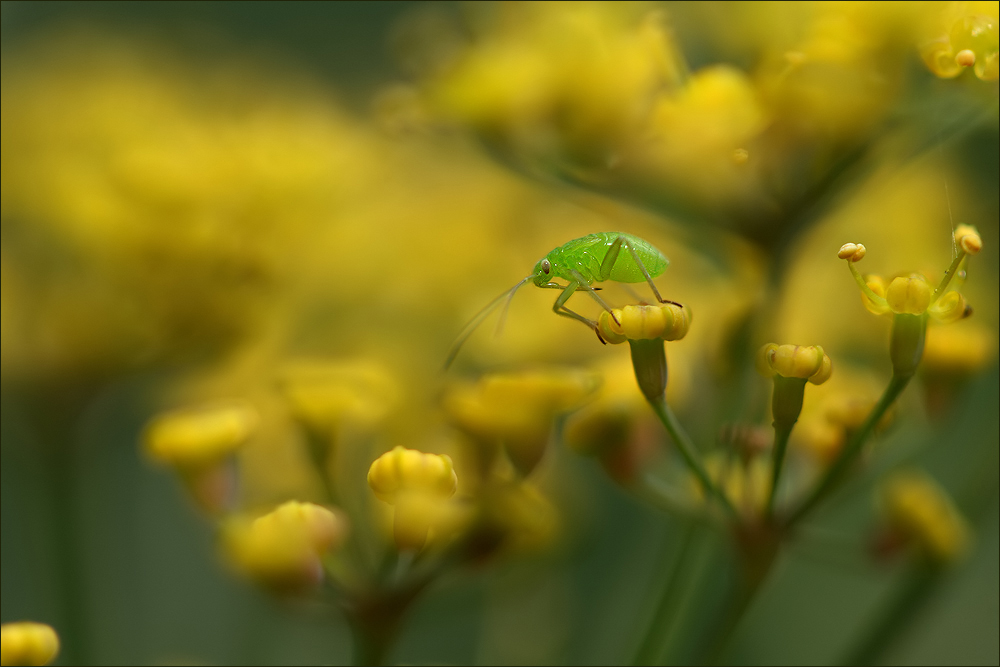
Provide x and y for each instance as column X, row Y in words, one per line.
column 894, row 617
column 320, row 447
column 852, row 448
column 688, row 451
column 865, row 288
column 659, row 630
column 781, row 435
column 948, row 275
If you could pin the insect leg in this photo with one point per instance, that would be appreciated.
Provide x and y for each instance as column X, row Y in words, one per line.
column 559, row 307
column 609, row 259
column 584, row 285
column 649, row 279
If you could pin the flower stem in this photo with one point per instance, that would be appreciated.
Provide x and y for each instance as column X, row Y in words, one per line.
column 781, row 435
column 851, row 450
column 659, row 628
column 688, row 451
column 948, row 275
column 864, row 286
column 893, row 618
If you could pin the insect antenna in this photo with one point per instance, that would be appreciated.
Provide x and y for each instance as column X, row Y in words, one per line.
column 478, row 319
column 506, row 305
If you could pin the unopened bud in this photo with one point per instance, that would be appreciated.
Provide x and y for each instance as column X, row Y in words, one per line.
column 968, row 239
column 910, row 295
column 853, row 252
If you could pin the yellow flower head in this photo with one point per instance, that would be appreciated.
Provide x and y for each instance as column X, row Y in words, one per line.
column 911, row 294
column 795, row 361
column 402, row 471
column 915, row 505
column 518, row 409
column 323, row 394
column 969, row 40
column 284, row 548
column 199, row 437
column 668, row 321
column 27, row 643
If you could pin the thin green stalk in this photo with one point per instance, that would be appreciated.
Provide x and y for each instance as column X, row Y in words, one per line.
column 894, row 617
column 688, row 451
column 781, row 435
column 320, row 447
column 652, row 645
column 851, row 450
column 948, row 275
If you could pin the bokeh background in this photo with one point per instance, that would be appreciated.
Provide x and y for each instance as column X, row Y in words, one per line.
column 196, row 195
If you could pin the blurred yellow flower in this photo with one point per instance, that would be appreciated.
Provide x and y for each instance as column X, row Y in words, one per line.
column 916, row 505
column 199, row 436
column 284, row 548
column 517, row 410
column 27, row 643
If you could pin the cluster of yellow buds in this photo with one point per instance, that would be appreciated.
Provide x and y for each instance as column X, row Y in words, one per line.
column 27, row 643
column 518, row 410
column 669, row 321
column 284, row 548
column 199, row 442
column 418, row 485
column 921, row 512
column 970, row 41
column 806, row 362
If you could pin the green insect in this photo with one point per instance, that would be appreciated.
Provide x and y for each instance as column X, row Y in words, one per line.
column 590, row 259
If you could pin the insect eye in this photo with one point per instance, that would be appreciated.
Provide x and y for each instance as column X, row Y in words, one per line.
column 546, row 266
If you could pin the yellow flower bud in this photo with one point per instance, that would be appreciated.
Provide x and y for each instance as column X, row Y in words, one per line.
column 609, row 329
column 644, row 322
column 853, row 252
column 920, row 509
column 877, row 285
column 27, row 643
column 198, row 437
column 909, row 295
column 950, row 307
column 824, row 372
column 795, row 361
column 283, row 549
column 407, row 470
column 679, row 321
column 967, row 238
